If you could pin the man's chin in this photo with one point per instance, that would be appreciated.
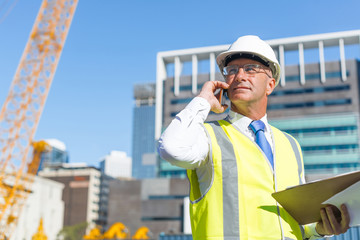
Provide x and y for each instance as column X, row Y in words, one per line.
column 240, row 97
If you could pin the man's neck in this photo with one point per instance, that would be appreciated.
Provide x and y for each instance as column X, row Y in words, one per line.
column 254, row 113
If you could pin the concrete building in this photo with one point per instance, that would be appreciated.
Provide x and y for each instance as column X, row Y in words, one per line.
column 317, row 99
column 155, row 203
column 45, row 202
column 80, row 194
column 116, row 164
column 103, row 201
column 143, row 145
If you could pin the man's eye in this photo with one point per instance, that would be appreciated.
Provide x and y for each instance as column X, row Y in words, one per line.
column 251, row 69
column 232, row 71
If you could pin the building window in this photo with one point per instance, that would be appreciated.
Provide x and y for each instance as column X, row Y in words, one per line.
column 322, row 130
column 314, row 76
column 180, row 101
column 329, row 147
column 311, row 90
column 320, row 103
column 187, row 87
column 331, row 166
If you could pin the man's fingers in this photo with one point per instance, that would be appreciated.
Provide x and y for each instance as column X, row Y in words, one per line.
column 333, row 221
column 343, row 225
column 345, row 217
column 325, row 221
column 207, row 92
column 220, row 109
column 213, row 85
column 220, row 84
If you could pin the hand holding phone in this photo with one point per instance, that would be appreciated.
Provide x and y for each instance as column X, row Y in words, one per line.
column 222, row 97
column 211, row 91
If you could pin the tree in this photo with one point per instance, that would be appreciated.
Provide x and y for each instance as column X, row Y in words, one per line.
column 74, row 232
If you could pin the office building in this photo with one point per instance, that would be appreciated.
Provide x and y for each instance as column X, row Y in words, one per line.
column 44, row 202
column 143, row 144
column 157, row 204
column 317, row 99
column 55, row 156
column 103, row 201
column 322, row 115
column 80, row 194
column 116, row 164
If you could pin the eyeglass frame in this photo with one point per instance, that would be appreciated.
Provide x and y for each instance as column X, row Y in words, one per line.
column 247, row 72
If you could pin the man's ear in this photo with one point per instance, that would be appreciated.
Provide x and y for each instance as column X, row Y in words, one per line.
column 270, row 86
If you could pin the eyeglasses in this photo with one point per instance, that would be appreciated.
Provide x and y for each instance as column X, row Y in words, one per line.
column 249, row 69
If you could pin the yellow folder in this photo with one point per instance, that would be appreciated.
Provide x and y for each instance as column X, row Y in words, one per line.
column 303, row 202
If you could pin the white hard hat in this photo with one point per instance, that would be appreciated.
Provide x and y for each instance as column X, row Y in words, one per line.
column 254, row 48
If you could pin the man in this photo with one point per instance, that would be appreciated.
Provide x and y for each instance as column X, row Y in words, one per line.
column 235, row 164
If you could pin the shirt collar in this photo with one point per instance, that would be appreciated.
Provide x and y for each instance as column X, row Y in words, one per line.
column 243, row 122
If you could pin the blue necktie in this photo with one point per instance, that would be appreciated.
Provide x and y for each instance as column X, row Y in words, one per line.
column 258, row 128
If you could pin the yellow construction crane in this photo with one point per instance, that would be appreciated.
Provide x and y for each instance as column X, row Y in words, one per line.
column 20, row 114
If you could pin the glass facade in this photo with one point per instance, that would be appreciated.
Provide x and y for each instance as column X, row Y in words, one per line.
column 143, row 142
column 167, row 170
column 352, row 234
column 54, row 157
column 330, row 143
column 175, row 237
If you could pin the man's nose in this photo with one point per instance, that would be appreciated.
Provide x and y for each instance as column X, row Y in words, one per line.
column 240, row 75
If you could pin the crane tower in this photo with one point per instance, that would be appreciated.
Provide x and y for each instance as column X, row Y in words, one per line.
column 23, row 106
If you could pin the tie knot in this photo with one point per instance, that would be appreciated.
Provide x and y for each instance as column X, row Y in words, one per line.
column 257, row 125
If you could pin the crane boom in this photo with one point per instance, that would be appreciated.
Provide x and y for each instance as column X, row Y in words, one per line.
column 20, row 114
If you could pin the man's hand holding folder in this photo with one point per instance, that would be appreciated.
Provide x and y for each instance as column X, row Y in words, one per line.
column 334, row 203
column 330, row 223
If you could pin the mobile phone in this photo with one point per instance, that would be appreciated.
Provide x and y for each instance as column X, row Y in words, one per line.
column 222, row 97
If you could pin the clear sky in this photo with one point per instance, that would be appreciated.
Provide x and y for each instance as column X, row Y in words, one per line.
column 112, row 45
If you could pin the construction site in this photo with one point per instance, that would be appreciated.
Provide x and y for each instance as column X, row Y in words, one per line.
column 44, row 196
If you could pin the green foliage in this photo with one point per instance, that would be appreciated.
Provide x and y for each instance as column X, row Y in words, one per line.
column 74, row 232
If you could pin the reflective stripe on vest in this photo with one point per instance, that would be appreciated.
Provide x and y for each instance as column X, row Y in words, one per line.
column 238, row 202
column 298, row 156
column 230, row 188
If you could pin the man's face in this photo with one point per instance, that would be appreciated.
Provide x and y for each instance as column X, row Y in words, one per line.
column 249, row 88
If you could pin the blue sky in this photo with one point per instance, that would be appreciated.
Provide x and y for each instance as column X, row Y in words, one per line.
column 112, row 45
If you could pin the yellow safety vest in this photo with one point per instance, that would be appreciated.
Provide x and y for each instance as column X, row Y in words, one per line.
column 237, row 203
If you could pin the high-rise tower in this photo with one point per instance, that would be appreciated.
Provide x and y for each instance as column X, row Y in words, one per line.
column 143, row 145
